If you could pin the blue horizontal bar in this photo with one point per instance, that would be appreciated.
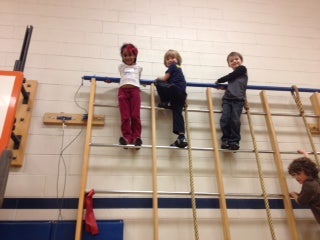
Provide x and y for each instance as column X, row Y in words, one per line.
column 143, row 203
column 211, row 85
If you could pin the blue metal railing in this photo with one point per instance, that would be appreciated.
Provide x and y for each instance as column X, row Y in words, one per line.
column 211, row 85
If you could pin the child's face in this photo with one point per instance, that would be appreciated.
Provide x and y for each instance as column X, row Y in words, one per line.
column 234, row 61
column 171, row 60
column 301, row 177
column 128, row 58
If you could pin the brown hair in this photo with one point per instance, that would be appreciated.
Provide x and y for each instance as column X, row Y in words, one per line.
column 232, row 54
column 303, row 164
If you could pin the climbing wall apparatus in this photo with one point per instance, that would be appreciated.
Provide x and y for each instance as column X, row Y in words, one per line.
column 222, row 197
column 281, row 173
column 191, row 179
column 154, row 166
column 297, row 99
column 260, row 173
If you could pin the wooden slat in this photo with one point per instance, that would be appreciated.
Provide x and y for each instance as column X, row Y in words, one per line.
column 154, row 166
column 222, row 199
column 280, row 169
column 72, row 119
column 315, row 101
column 85, row 164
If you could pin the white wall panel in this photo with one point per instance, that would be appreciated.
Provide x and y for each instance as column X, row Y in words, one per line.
column 280, row 45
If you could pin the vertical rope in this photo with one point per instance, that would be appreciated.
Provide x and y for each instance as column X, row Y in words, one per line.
column 193, row 198
column 260, row 173
column 297, row 99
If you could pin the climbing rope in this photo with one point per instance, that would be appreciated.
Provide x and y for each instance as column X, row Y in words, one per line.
column 192, row 189
column 261, row 178
column 297, row 99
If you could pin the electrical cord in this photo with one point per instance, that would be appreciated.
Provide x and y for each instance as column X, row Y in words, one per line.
column 62, row 164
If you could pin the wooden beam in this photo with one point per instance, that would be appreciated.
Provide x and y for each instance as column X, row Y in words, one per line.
column 72, row 119
column 154, row 166
column 315, row 101
column 222, row 199
column 22, row 124
column 85, row 164
column 279, row 166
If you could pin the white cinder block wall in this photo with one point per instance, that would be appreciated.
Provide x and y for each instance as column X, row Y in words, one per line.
column 280, row 42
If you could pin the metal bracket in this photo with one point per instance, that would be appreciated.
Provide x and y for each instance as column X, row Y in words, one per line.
column 72, row 119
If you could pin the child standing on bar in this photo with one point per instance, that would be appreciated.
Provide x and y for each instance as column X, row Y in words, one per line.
column 171, row 89
column 305, row 171
column 233, row 101
column 129, row 96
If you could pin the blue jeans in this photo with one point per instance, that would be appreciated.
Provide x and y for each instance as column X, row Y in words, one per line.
column 230, row 123
column 171, row 93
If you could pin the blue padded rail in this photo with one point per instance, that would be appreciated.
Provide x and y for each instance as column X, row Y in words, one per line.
column 211, row 85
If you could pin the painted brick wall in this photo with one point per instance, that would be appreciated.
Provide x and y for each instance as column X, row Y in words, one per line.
column 281, row 47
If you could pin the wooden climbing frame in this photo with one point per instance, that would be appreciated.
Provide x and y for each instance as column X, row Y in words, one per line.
column 218, row 169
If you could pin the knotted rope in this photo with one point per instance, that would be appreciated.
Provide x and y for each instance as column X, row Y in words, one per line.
column 192, row 188
column 260, row 172
column 297, row 99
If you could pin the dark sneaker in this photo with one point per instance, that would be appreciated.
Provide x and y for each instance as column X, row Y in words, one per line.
column 165, row 105
column 225, row 145
column 138, row 142
column 180, row 142
column 173, row 144
column 234, row 147
column 123, row 141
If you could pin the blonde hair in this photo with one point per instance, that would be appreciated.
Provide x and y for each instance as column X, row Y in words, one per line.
column 174, row 54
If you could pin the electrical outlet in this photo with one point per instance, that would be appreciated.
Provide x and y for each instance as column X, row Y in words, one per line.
column 64, row 118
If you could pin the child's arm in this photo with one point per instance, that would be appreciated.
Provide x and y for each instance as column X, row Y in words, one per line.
column 239, row 71
column 165, row 78
column 294, row 195
column 304, row 152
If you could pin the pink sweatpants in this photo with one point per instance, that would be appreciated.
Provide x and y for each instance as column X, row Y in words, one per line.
column 129, row 105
